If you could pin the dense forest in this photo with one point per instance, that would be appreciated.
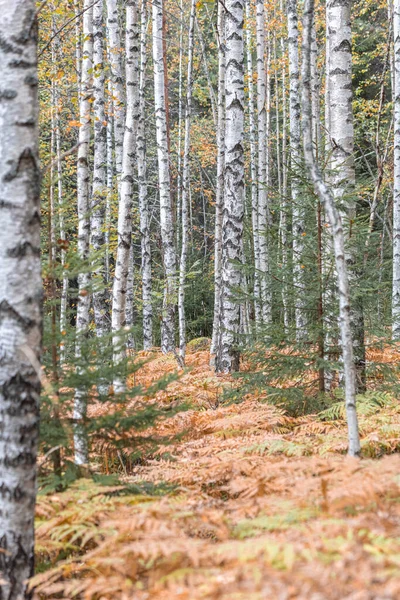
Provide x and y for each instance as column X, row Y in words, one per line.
column 199, row 299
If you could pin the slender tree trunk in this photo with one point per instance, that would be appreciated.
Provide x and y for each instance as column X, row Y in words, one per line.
column 220, row 180
column 283, row 221
column 186, row 187
column 180, row 124
column 342, row 158
column 144, row 209
column 211, row 92
column 83, row 193
column 228, row 356
column 253, row 172
column 63, row 237
column 336, row 228
column 263, row 209
column 396, row 187
column 110, row 175
column 117, row 78
column 20, row 294
column 118, row 320
column 298, row 216
column 166, row 209
column 99, row 194
column 78, row 51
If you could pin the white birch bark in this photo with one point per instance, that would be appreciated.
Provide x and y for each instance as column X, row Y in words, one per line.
column 253, row 171
column 283, row 220
column 220, row 179
column 110, row 175
column 117, row 78
column 78, row 52
column 396, row 186
column 338, row 238
column 63, row 237
column 164, row 182
column 342, row 155
column 315, row 94
column 144, row 210
column 298, row 217
column 99, row 193
column 83, row 195
column 186, row 188
column 20, row 293
column 263, row 210
column 228, row 356
column 124, row 230
column 180, row 124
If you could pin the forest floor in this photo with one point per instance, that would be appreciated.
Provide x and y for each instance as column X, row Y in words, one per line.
column 249, row 504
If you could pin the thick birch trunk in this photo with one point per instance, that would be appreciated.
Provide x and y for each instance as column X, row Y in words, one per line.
column 396, row 187
column 164, row 177
column 186, row 188
column 336, row 229
column 298, row 217
column 263, row 210
column 20, row 294
column 228, row 356
column 83, row 193
column 220, row 179
column 99, row 195
column 342, row 156
column 143, row 193
column 117, row 78
column 118, row 319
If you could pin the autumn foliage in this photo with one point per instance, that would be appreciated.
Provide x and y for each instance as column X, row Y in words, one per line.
column 248, row 504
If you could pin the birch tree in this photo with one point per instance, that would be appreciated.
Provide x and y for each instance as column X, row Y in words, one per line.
column 336, row 229
column 341, row 133
column 263, row 210
column 220, row 179
column 117, row 80
column 164, row 181
column 298, row 217
column 124, row 231
column 233, row 209
column 99, row 195
column 144, row 210
column 253, row 170
column 83, row 196
column 20, row 293
column 186, row 187
column 396, row 187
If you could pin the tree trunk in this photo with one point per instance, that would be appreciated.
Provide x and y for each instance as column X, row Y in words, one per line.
column 143, row 193
column 253, row 172
column 83, row 194
column 298, row 216
column 336, row 228
column 117, row 78
column 228, row 356
column 118, row 320
column 166, row 209
column 263, row 209
column 220, row 180
column 342, row 159
column 99, row 195
column 186, row 188
column 20, row 294
column 396, row 187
